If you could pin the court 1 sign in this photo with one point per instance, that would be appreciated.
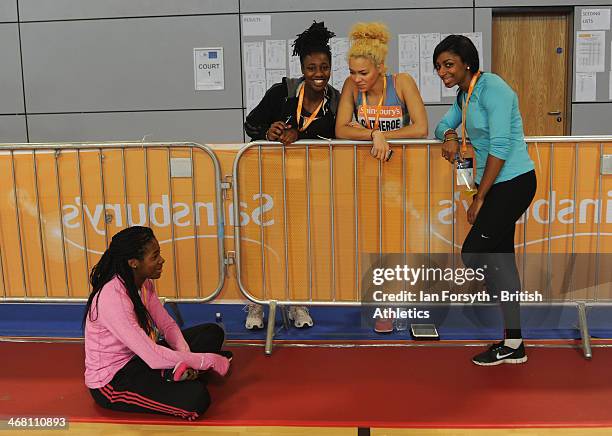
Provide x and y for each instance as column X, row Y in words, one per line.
column 208, row 69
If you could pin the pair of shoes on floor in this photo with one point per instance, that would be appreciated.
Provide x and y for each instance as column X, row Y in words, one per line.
column 499, row 353
column 298, row 314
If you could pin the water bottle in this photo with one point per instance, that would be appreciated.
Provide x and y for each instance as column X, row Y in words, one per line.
column 401, row 324
column 219, row 320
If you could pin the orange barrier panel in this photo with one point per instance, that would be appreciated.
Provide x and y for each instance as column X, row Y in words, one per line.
column 62, row 204
column 325, row 208
column 305, row 223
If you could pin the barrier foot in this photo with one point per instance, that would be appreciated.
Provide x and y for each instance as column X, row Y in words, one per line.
column 584, row 330
column 270, row 332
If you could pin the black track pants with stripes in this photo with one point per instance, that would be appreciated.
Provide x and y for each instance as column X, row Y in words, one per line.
column 138, row 388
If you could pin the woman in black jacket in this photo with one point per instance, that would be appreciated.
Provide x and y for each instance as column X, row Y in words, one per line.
column 303, row 108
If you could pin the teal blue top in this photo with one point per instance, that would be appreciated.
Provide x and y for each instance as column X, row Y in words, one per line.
column 494, row 127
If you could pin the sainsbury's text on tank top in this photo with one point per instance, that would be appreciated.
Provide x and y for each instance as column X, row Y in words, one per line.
column 390, row 118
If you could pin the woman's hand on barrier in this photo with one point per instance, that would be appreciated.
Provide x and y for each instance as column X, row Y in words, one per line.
column 450, row 148
column 275, row 131
column 216, row 363
column 474, row 208
column 289, row 136
column 380, row 146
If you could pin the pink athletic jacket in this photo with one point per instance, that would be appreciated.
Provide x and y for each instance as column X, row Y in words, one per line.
column 114, row 337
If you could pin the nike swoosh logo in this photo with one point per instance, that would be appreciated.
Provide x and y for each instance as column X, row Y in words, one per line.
column 484, row 236
column 503, row 355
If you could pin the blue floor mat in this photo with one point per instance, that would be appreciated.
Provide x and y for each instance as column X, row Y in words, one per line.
column 331, row 323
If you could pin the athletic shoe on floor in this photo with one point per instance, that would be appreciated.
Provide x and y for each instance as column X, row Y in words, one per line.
column 383, row 325
column 499, row 353
column 255, row 317
column 300, row 316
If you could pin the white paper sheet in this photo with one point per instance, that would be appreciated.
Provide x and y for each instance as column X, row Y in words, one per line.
column 610, row 87
column 476, row 38
column 413, row 69
column 408, row 48
column 427, row 45
column 339, row 48
column 253, row 53
column 430, row 87
column 590, row 51
column 295, row 69
column 586, row 86
column 208, row 69
column 449, row 92
column 256, row 25
column 275, row 53
column 255, row 90
column 595, row 19
column 274, row 76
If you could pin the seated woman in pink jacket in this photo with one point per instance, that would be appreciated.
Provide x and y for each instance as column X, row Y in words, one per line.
column 128, row 366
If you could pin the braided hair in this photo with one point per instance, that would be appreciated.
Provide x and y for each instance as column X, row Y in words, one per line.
column 128, row 244
column 315, row 39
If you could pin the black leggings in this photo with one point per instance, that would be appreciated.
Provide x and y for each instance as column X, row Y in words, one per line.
column 490, row 242
column 138, row 388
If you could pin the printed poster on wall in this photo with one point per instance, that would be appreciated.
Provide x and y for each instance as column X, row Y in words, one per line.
column 208, row 69
column 595, row 19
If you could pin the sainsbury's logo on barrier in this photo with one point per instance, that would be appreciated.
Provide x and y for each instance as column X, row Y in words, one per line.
column 542, row 211
column 158, row 214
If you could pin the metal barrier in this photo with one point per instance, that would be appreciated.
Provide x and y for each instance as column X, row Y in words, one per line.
column 324, row 203
column 62, row 202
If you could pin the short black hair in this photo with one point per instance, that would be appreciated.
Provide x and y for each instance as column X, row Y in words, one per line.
column 460, row 45
column 315, row 39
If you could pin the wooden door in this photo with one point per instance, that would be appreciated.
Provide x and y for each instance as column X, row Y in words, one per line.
column 530, row 52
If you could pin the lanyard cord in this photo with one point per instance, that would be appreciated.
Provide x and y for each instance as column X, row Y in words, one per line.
column 298, row 112
column 364, row 104
column 464, row 112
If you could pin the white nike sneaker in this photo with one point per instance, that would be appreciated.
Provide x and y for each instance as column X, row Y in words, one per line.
column 300, row 316
column 255, row 317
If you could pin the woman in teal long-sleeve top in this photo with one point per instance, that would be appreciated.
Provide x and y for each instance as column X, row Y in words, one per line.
column 505, row 177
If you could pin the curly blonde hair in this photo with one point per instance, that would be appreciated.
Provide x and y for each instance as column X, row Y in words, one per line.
column 369, row 40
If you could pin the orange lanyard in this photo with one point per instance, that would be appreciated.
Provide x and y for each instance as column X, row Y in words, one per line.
column 364, row 104
column 464, row 111
column 298, row 113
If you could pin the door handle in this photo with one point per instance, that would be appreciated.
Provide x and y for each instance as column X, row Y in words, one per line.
column 554, row 113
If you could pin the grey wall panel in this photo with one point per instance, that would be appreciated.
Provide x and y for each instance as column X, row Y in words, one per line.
column 12, row 129
column 223, row 126
column 253, row 6
column 8, row 10
column 483, row 22
column 36, row 10
column 286, row 25
column 527, row 3
column 11, row 89
column 591, row 119
column 130, row 64
column 603, row 79
column 434, row 115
